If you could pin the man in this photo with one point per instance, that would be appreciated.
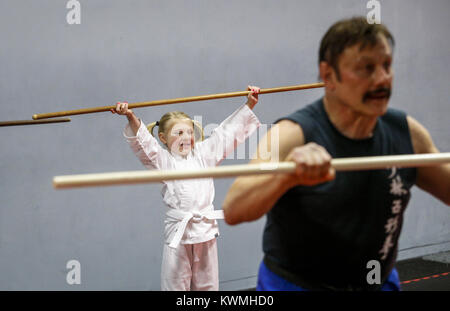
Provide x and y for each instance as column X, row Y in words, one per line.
column 324, row 228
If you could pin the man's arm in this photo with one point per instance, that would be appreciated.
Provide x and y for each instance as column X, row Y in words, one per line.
column 434, row 179
column 250, row 197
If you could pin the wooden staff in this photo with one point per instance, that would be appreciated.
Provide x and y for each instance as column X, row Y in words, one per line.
column 343, row 164
column 176, row 100
column 32, row 122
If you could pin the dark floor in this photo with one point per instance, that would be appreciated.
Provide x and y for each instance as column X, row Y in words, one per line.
column 429, row 273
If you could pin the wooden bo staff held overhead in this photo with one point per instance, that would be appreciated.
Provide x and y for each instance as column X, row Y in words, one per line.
column 32, row 122
column 340, row 164
column 177, row 100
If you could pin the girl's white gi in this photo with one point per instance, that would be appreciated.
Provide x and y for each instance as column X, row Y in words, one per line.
column 191, row 218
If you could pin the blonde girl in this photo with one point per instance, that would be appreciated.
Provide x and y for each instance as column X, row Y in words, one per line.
column 190, row 259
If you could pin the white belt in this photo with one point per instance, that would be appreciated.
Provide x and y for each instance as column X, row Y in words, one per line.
column 184, row 218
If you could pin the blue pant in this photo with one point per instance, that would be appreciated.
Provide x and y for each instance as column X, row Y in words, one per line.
column 269, row 281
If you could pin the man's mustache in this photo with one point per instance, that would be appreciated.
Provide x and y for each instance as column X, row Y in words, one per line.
column 384, row 91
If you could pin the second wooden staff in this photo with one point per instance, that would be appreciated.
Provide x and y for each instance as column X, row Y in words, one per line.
column 176, row 101
column 341, row 164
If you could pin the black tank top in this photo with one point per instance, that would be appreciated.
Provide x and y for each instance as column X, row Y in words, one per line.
column 322, row 237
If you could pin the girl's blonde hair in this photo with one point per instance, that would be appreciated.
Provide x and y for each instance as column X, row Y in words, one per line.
column 162, row 124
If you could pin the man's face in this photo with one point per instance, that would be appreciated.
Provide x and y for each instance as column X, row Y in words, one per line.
column 366, row 78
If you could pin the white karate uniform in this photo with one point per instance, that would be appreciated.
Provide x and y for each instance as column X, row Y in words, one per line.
column 191, row 218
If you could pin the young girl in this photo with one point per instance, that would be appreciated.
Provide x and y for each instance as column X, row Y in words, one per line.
column 190, row 253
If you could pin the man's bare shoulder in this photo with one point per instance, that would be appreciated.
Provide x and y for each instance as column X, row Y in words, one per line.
column 421, row 139
column 290, row 130
column 290, row 135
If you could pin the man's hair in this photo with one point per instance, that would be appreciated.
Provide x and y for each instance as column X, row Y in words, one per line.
column 346, row 33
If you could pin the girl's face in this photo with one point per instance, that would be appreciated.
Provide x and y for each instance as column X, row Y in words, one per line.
column 179, row 136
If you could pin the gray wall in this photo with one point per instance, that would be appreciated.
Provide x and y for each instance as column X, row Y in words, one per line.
column 147, row 50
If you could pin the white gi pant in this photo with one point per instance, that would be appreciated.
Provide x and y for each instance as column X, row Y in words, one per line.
column 190, row 267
